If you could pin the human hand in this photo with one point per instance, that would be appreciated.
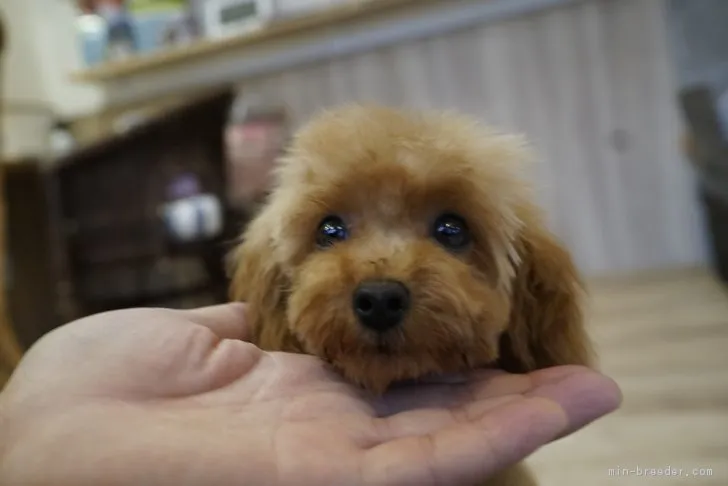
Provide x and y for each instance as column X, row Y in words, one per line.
column 168, row 397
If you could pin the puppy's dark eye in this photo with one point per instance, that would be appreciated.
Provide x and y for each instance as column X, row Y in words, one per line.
column 451, row 231
column 331, row 230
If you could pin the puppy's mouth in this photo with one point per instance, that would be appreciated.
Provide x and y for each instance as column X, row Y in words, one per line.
column 384, row 347
column 388, row 344
column 375, row 346
column 382, row 361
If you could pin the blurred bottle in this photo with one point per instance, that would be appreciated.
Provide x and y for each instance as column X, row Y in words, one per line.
column 121, row 40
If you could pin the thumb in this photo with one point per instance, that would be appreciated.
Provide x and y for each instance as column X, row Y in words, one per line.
column 227, row 321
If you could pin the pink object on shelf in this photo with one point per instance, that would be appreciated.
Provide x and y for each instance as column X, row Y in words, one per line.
column 252, row 147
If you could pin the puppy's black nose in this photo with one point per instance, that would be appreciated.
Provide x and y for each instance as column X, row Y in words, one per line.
column 381, row 304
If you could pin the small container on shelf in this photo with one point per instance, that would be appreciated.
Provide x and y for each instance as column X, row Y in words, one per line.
column 191, row 215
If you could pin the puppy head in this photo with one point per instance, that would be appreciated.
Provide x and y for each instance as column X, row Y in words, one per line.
column 396, row 245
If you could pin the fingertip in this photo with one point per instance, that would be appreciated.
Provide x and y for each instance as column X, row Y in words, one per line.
column 585, row 395
column 612, row 391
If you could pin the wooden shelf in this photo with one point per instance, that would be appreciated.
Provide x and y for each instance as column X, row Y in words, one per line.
column 338, row 14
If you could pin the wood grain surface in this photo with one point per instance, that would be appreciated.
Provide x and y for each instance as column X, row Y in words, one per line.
column 663, row 338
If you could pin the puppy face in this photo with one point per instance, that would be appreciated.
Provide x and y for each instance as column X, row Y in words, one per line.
column 396, row 245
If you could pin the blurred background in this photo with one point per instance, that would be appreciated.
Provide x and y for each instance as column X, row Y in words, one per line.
column 137, row 138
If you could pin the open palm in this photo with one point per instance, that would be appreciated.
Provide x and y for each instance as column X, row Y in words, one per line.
column 162, row 397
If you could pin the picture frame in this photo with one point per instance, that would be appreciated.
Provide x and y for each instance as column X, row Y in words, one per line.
column 224, row 18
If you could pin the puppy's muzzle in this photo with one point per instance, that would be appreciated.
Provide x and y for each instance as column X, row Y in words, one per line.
column 381, row 305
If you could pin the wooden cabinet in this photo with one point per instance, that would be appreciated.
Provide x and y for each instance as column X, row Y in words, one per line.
column 111, row 247
column 86, row 234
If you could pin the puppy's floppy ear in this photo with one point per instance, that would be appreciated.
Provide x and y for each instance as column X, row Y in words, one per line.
column 547, row 325
column 255, row 276
column 257, row 279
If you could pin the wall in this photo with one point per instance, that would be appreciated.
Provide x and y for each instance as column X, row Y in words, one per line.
column 41, row 53
column 592, row 85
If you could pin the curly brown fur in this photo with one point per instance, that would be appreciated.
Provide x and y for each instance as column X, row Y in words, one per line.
column 511, row 298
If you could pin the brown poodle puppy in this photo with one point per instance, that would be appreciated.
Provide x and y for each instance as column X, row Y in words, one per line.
column 396, row 245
